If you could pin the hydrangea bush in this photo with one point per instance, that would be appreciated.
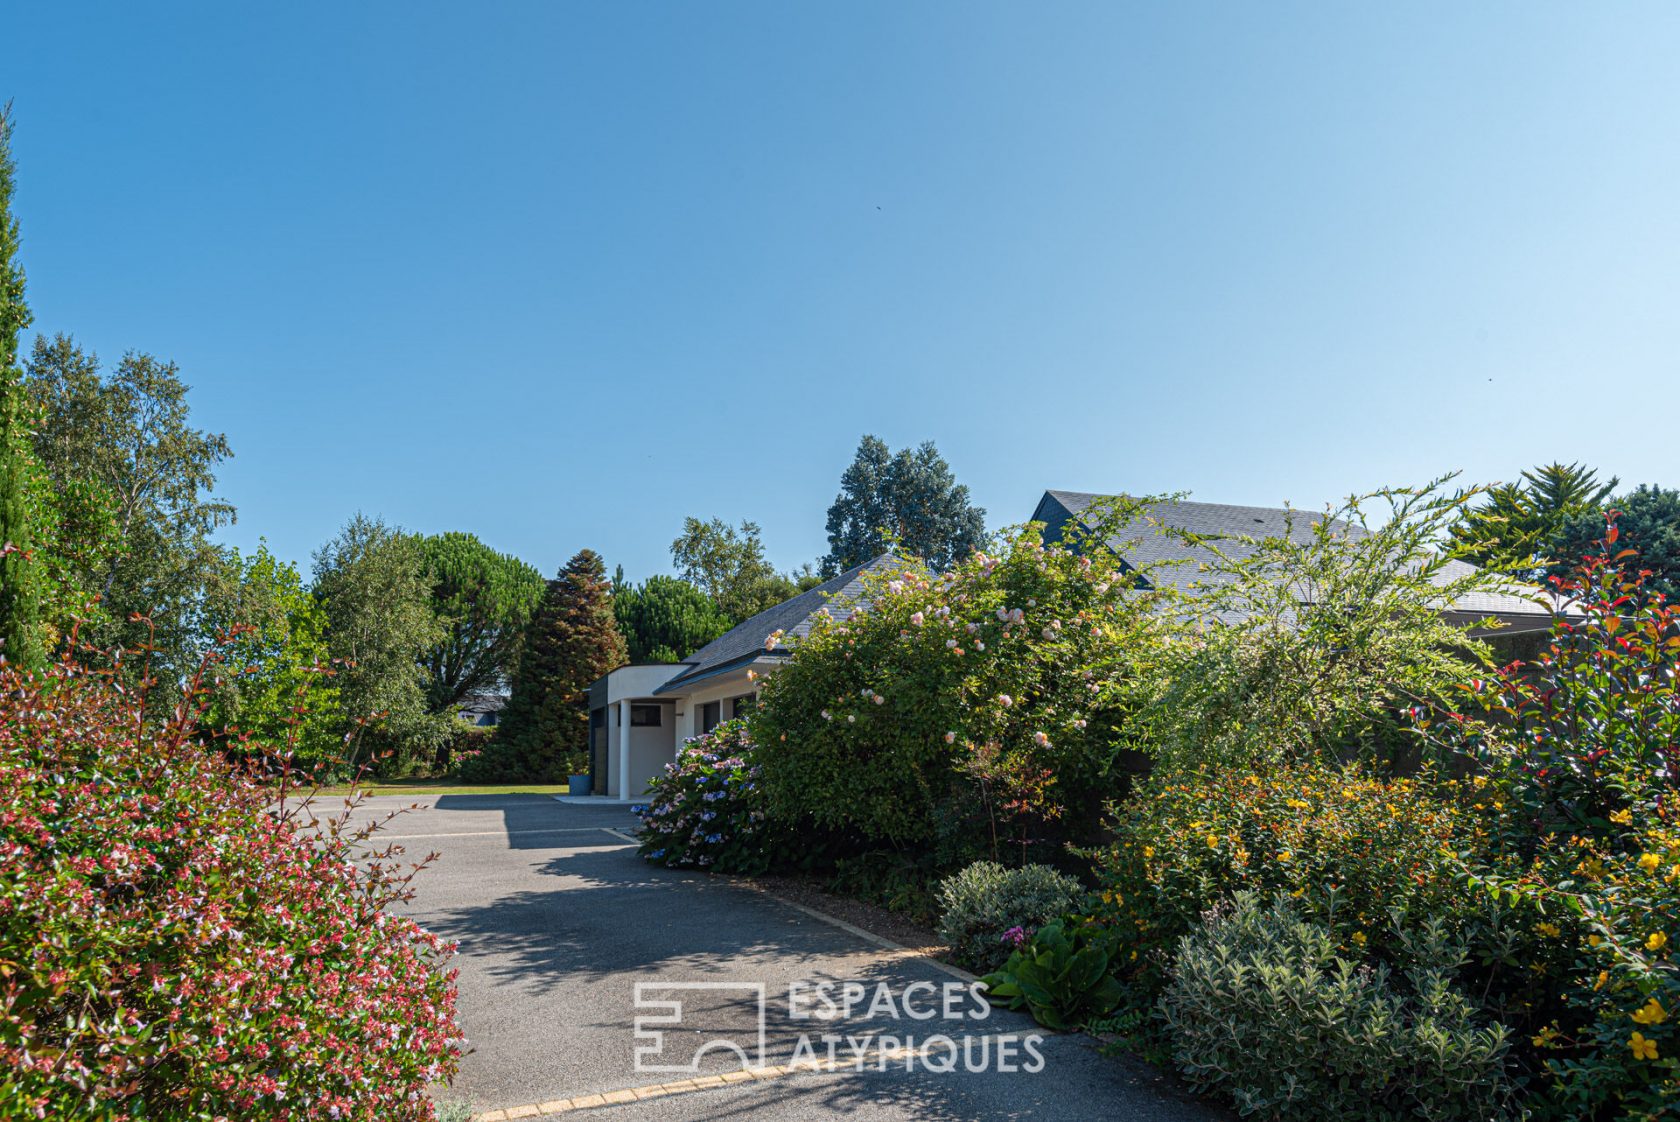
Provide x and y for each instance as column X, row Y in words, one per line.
column 178, row 940
column 706, row 811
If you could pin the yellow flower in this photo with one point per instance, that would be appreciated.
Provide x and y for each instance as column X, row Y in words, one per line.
column 1649, row 862
column 1651, row 1013
column 1656, row 942
column 1603, row 976
column 1149, row 851
column 1359, row 938
column 1550, row 930
column 1545, row 1036
column 1643, row 1049
column 1594, row 940
column 1284, row 855
column 1622, row 817
column 1298, row 892
column 1213, row 842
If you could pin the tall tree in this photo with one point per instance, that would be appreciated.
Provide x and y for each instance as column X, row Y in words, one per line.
column 273, row 682
column 372, row 583
column 665, row 619
column 909, row 498
column 728, row 564
column 128, row 436
column 1647, row 521
column 484, row 601
column 20, row 615
column 573, row 640
column 1520, row 525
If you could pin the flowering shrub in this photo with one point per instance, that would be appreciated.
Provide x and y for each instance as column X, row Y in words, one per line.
column 1581, row 745
column 1351, row 848
column 978, row 709
column 177, row 942
column 706, row 811
column 1262, row 1008
column 988, row 911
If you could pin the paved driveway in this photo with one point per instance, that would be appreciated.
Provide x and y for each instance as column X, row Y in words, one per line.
column 558, row 921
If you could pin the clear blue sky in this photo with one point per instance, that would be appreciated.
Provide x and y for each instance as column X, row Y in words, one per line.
column 560, row 274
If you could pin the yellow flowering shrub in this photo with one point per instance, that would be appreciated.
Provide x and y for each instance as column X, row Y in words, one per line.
column 1349, row 847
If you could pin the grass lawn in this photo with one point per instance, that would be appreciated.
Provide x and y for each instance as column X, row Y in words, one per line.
column 442, row 787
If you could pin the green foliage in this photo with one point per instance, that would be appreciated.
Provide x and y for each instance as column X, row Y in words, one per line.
column 728, row 565
column 706, row 811
column 1263, row 1009
column 373, row 587
column 982, row 904
column 1061, row 975
column 977, row 711
column 1521, row 525
column 181, row 941
column 572, row 640
column 20, row 581
column 909, row 501
column 1315, row 644
column 121, row 449
column 1648, row 520
column 484, row 601
column 274, row 683
column 665, row 619
column 1353, row 849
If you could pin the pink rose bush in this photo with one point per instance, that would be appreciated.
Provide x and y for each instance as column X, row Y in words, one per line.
column 979, row 707
column 176, row 942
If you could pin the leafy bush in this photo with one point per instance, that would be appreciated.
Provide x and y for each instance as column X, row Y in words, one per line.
column 181, row 941
column 706, row 811
column 1061, row 974
column 1318, row 640
column 982, row 904
column 1351, row 848
column 1578, row 746
column 971, row 712
column 1263, row 1009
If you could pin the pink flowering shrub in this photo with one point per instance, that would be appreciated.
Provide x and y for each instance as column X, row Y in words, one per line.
column 181, row 941
column 706, row 811
column 980, row 708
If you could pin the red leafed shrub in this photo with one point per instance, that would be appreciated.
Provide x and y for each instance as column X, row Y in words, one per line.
column 177, row 943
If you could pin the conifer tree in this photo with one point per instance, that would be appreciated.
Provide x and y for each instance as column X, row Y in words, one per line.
column 573, row 639
column 20, row 639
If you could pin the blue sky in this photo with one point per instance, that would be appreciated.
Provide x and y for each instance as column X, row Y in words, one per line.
column 561, row 274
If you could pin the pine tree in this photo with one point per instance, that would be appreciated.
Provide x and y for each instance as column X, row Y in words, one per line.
column 666, row 619
column 1522, row 525
column 573, row 639
column 20, row 613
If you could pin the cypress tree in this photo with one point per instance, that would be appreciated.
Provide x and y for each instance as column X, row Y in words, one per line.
column 20, row 612
column 573, row 639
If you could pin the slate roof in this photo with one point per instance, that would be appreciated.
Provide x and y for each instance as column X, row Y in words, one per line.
column 1139, row 544
column 794, row 617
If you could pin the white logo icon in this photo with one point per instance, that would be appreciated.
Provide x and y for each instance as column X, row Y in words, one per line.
column 689, row 1048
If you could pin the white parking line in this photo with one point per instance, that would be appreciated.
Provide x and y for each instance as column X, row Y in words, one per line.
column 498, row 833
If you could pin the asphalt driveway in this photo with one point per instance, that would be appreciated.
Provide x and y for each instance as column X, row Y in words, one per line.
column 559, row 922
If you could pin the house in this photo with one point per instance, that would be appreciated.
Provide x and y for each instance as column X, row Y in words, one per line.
column 1522, row 610
column 482, row 708
column 639, row 715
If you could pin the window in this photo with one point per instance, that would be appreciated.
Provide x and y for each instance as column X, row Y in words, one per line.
column 741, row 706
column 646, row 716
column 711, row 714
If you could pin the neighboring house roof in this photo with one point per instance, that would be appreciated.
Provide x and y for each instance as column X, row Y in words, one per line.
column 745, row 642
column 484, row 703
column 1139, row 545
